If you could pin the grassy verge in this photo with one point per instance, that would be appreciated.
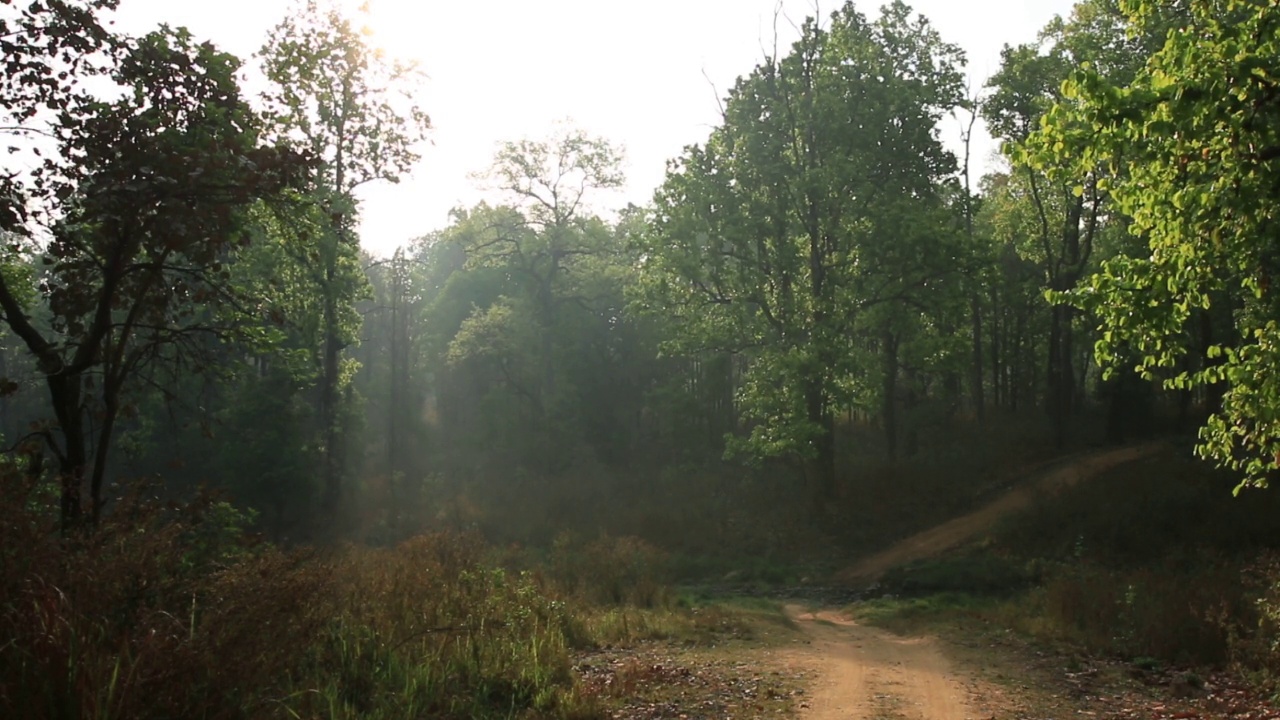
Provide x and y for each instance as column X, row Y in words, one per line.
column 913, row 615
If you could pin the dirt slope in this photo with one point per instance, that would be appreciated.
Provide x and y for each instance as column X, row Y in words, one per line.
column 868, row 674
column 963, row 529
column 865, row 673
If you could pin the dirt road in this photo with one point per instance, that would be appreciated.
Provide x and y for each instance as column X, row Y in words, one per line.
column 868, row 674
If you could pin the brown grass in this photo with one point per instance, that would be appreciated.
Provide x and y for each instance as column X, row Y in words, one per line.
column 167, row 611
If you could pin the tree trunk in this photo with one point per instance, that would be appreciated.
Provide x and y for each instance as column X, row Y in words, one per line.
column 331, row 472
column 889, row 401
column 1061, row 379
column 997, row 367
column 910, row 403
column 976, row 378
column 820, row 468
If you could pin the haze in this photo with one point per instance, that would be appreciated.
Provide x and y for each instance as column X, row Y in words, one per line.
column 645, row 75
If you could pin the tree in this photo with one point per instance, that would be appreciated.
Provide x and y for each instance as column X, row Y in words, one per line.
column 551, row 183
column 815, row 201
column 1193, row 145
column 1069, row 203
column 1066, row 221
column 355, row 112
column 146, row 199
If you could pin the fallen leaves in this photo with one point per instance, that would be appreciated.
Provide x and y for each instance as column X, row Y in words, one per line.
column 659, row 682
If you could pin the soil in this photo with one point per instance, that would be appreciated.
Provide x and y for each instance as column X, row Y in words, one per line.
column 869, row 674
column 981, row 671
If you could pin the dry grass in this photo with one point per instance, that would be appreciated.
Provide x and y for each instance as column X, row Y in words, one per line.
column 173, row 611
column 167, row 612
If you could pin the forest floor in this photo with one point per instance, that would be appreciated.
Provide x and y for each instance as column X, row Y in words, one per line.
column 972, row 670
column 815, row 662
column 824, row 665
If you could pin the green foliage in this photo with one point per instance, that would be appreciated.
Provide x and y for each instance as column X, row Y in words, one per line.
column 355, row 112
column 1191, row 149
column 350, row 106
column 815, row 201
column 143, row 202
column 975, row 575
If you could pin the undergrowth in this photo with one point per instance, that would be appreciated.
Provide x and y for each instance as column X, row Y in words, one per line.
column 174, row 611
column 168, row 611
column 1153, row 560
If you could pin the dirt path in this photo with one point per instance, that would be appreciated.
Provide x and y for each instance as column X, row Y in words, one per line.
column 865, row 673
column 868, row 674
column 956, row 532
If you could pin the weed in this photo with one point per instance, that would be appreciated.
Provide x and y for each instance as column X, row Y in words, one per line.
column 611, row 571
column 1165, row 612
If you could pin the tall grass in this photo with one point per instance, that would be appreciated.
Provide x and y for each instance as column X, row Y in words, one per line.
column 169, row 611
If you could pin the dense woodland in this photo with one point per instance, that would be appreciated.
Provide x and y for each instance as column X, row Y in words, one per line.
column 820, row 296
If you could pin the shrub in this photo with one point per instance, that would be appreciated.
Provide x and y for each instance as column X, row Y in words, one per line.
column 428, row 630
column 139, row 618
column 1167, row 612
column 611, row 571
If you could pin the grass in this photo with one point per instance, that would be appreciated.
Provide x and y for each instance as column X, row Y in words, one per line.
column 173, row 611
column 911, row 615
column 973, row 573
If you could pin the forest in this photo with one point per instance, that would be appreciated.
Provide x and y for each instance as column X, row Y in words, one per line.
column 252, row 470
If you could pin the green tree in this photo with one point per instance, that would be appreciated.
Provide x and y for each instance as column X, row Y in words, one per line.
column 814, row 202
column 1066, row 221
column 144, row 204
column 1068, row 203
column 355, row 112
column 1192, row 144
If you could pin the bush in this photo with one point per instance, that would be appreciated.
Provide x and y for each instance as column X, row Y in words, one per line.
column 139, row 618
column 1254, row 639
column 611, row 571
column 1167, row 612
column 428, row 630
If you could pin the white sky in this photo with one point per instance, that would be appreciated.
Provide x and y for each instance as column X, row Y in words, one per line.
column 637, row 72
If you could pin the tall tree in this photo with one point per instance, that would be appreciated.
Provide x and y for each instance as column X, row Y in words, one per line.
column 1025, row 87
column 814, row 202
column 144, row 205
column 355, row 111
column 1070, row 202
column 552, row 183
column 1193, row 144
